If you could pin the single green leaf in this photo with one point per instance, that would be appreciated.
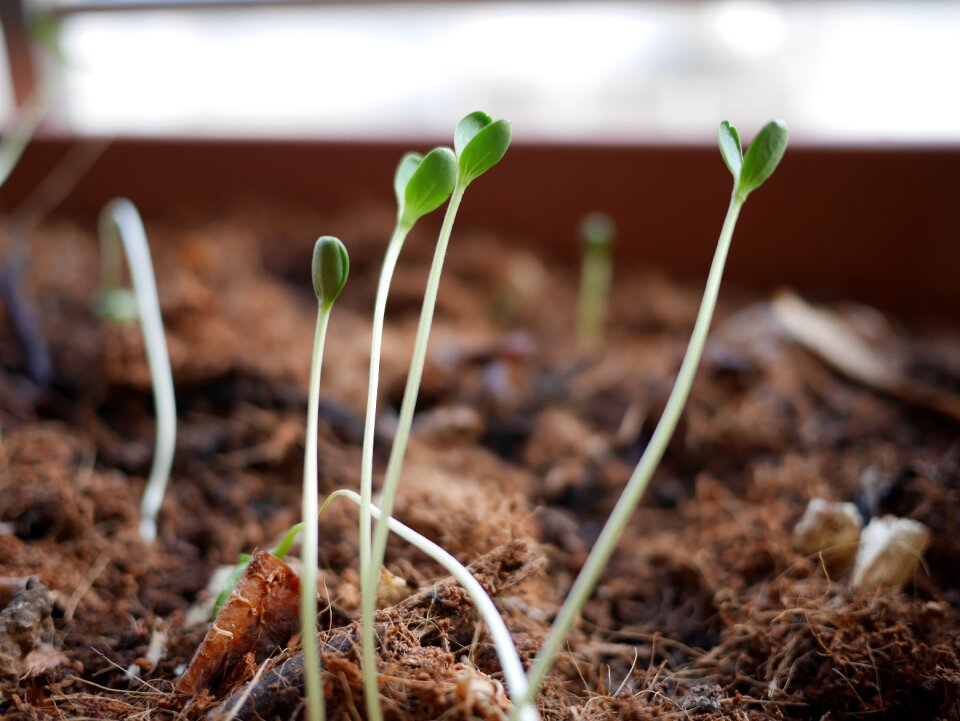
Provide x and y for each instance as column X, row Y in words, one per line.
column 408, row 164
column 243, row 560
column 330, row 268
column 598, row 229
column 762, row 157
column 484, row 149
column 429, row 186
column 729, row 141
column 468, row 128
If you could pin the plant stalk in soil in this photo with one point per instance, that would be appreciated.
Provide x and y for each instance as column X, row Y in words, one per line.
column 330, row 268
column 480, row 143
column 121, row 225
column 749, row 173
column 499, row 633
column 421, row 184
column 598, row 232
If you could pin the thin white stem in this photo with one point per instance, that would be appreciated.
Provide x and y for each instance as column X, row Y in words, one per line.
column 368, row 590
column 398, row 450
column 600, row 554
column 309, row 556
column 120, row 214
column 499, row 633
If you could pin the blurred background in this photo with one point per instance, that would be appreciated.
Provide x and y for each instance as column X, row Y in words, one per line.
column 569, row 71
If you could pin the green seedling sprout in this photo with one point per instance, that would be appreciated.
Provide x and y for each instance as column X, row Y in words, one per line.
column 120, row 225
column 598, row 232
column 421, row 184
column 243, row 560
column 749, row 172
column 330, row 268
column 480, row 143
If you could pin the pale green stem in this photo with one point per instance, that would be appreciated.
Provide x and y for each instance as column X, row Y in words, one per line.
column 499, row 633
column 309, row 555
column 600, row 554
column 121, row 216
column 594, row 293
column 368, row 590
column 410, row 393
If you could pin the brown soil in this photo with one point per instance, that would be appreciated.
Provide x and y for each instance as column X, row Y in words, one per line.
column 522, row 443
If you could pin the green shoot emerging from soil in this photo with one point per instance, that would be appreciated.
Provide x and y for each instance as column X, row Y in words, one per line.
column 480, row 144
column 598, row 232
column 749, row 173
column 120, row 224
column 421, row 184
column 330, row 268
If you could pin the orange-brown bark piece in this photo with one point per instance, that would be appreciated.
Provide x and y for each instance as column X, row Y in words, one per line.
column 261, row 615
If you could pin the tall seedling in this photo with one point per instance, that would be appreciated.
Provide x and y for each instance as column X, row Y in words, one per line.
column 749, row 173
column 330, row 268
column 480, row 143
column 421, row 184
column 121, row 226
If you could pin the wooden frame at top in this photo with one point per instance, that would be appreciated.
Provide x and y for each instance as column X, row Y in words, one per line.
column 877, row 224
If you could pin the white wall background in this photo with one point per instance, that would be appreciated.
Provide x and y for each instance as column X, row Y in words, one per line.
column 838, row 72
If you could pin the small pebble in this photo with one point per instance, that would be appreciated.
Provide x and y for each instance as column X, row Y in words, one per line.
column 831, row 529
column 890, row 549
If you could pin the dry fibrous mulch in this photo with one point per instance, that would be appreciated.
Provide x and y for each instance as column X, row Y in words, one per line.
column 521, row 445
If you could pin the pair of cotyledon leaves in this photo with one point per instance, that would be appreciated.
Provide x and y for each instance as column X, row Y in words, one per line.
column 750, row 171
column 422, row 184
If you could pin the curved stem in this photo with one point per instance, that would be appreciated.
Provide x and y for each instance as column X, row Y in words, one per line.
column 368, row 590
column 410, row 393
column 606, row 543
column 499, row 633
column 123, row 215
column 309, row 555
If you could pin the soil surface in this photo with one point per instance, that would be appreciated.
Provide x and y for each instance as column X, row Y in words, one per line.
column 521, row 445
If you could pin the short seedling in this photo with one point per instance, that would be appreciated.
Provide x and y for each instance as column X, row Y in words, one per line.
column 480, row 144
column 421, row 184
column 598, row 232
column 330, row 268
column 749, row 172
column 120, row 225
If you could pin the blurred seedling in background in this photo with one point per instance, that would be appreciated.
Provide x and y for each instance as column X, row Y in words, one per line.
column 480, row 143
column 597, row 232
column 122, row 233
column 749, row 173
column 329, row 270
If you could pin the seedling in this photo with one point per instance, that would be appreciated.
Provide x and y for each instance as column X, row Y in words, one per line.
column 421, row 184
column 749, row 173
column 330, row 268
column 121, row 226
column 598, row 232
column 480, row 143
